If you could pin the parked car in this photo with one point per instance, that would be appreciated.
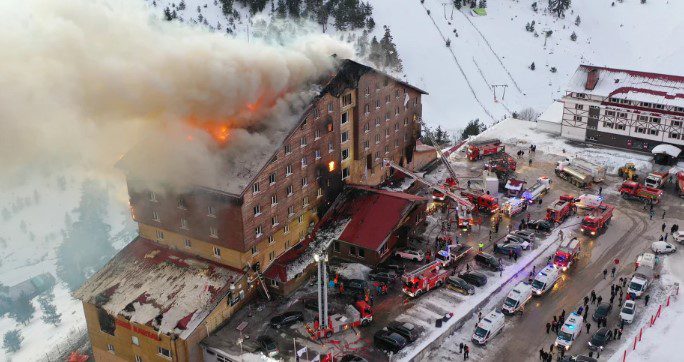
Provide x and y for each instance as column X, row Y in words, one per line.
column 517, row 239
column 600, row 339
column 506, row 249
column 352, row 358
column 382, row 276
column 287, row 319
column 459, row 285
column 395, row 268
column 389, row 341
column 678, row 236
column 663, row 247
column 528, row 235
column 407, row 330
column 602, row 311
column 267, row 345
column 628, row 311
column 412, row 254
column 354, row 286
column 541, row 225
column 488, row 261
column 475, row 278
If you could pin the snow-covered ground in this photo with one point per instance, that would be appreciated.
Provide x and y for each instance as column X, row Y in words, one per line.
column 25, row 254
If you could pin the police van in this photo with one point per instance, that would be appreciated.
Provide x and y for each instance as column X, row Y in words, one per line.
column 517, row 298
column 569, row 332
column 545, row 279
column 488, row 327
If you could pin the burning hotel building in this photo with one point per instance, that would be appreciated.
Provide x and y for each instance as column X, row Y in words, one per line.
column 203, row 252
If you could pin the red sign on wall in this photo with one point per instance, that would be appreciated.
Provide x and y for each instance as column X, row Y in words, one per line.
column 138, row 330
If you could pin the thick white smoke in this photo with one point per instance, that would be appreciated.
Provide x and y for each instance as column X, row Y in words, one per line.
column 85, row 80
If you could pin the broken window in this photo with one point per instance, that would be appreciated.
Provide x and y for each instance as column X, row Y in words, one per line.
column 107, row 322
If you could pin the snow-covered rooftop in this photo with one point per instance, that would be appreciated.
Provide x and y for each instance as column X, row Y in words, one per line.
column 670, row 150
column 631, row 85
column 553, row 114
column 150, row 284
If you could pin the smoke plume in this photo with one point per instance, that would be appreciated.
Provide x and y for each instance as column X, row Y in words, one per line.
column 83, row 81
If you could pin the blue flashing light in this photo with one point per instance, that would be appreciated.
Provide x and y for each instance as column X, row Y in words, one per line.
column 571, row 327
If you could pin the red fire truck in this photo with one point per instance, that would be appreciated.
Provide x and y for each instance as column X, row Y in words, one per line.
column 360, row 314
column 680, row 183
column 634, row 190
column 423, row 279
column 483, row 202
column 561, row 209
column 501, row 164
column 480, row 148
column 567, row 252
column 597, row 220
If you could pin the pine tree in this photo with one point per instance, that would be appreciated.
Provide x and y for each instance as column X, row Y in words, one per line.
column 281, row 9
column 362, row 45
column 226, row 7
column 11, row 342
column 535, row 6
column 167, row 14
column 483, row 3
column 294, row 8
column 50, row 315
column 458, row 4
column 392, row 60
column 559, row 7
column 181, row 5
column 573, row 36
column 375, row 56
column 439, row 135
column 473, row 128
column 22, row 309
column 532, row 66
column 578, row 21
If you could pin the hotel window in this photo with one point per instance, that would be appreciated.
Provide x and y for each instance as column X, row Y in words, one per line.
column 377, row 155
column 110, row 348
column 620, row 127
column 396, row 143
column 184, row 224
column 288, row 170
column 286, row 230
column 271, row 178
column 580, row 95
column 367, row 90
column 302, row 142
column 304, row 162
column 164, row 352
column 643, row 118
column 305, row 201
column 676, row 123
column 255, row 188
column 138, row 358
column 188, row 244
column 674, row 135
column 387, row 98
column 377, row 103
column 653, row 132
column 345, row 118
column 153, row 196
column 658, row 106
column 271, row 256
column 217, row 252
column 366, row 127
column 257, row 210
column 274, row 221
column 319, row 192
column 377, row 122
column 182, row 204
column 254, row 249
column 640, row 130
column 610, row 113
column 608, row 124
column 366, row 109
column 396, row 93
column 331, row 147
column 622, row 115
column 345, row 154
column 289, row 190
column 345, row 136
column 135, row 340
column 405, row 121
column 396, row 111
column 300, row 219
column 290, row 210
column 352, row 250
column 274, row 199
column 387, row 116
column 386, row 82
column 271, row 239
column 317, row 153
column 329, row 126
column 386, row 132
column 258, row 231
column 362, row 253
column 330, row 107
column 655, row 120
column 366, row 144
column 288, row 149
column 377, row 138
column 213, row 232
column 386, row 149
column 155, row 216
column 396, row 127
column 317, row 134
column 316, row 112
column 579, row 106
column 577, row 118
column 305, row 181
column 160, row 235
column 345, row 173
column 346, row 99
column 405, row 137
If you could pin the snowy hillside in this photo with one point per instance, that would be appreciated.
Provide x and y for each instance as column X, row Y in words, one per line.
column 497, row 50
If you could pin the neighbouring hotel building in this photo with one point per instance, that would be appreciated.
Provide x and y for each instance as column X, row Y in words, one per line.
column 200, row 253
column 624, row 108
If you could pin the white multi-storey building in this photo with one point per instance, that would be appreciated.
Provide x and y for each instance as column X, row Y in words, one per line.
column 624, row 108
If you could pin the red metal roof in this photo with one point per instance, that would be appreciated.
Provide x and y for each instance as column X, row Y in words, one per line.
column 374, row 215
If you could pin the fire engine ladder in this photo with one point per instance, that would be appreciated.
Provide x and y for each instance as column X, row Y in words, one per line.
column 260, row 277
column 420, row 271
column 440, row 155
column 459, row 199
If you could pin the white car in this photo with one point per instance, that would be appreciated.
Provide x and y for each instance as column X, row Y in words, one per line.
column 663, row 247
column 628, row 311
column 412, row 254
column 678, row 236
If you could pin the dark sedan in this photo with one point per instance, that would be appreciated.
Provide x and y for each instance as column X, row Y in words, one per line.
column 267, row 345
column 600, row 338
column 475, row 278
column 287, row 319
column 602, row 311
column 352, row 358
column 407, row 330
column 459, row 285
column 389, row 341
column 507, row 249
column 541, row 225
column 382, row 276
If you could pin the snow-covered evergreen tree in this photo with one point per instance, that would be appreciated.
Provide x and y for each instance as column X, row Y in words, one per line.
column 11, row 342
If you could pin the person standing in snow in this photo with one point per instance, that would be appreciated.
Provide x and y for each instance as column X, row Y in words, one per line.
column 646, row 298
column 466, row 351
column 593, row 297
column 548, row 327
column 605, row 272
column 588, row 327
column 663, row 216
column 612, row 272
column 460, row 348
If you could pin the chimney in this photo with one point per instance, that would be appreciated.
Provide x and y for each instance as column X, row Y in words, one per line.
column 592, row 79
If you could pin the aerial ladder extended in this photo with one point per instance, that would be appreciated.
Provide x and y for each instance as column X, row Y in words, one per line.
column 440, row 155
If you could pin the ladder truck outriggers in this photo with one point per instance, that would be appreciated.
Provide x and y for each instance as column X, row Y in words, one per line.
column 424, row 279
column 596, row 222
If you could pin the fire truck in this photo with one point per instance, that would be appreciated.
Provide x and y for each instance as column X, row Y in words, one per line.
column 514, row 206
column 597, row 220
column 573, row 174
column 360, row 314
column 561, row 209
column 634, row 190
column 567, row 252
column 504, row 164
column 657, row 179
column 480, row 148
column 680, row 183
column 483, row 202
column 424, row 279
